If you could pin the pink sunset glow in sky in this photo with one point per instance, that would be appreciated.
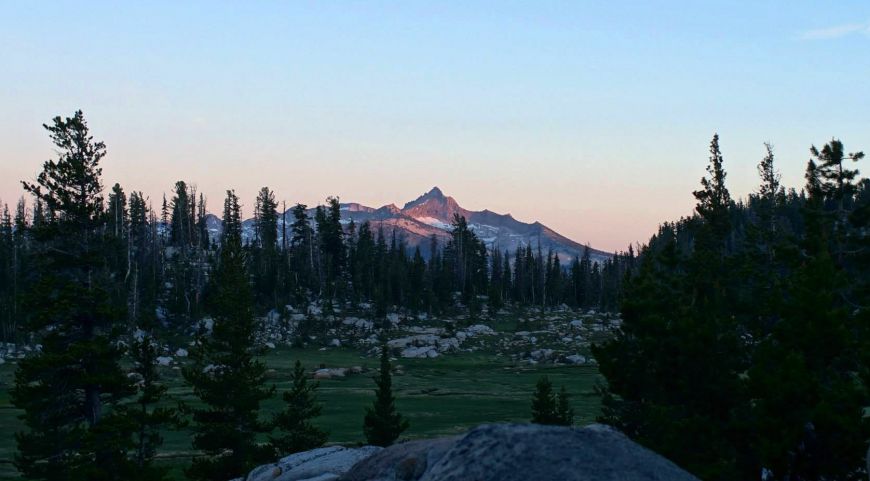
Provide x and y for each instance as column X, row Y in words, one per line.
column 593, row 119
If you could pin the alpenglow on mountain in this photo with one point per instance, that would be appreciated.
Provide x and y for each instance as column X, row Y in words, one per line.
column 432, row 213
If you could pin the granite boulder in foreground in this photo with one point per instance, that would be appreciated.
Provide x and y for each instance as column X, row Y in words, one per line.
column 497, row 452
column 321, row 464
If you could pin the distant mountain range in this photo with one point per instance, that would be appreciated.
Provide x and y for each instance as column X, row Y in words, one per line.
column 432, row 214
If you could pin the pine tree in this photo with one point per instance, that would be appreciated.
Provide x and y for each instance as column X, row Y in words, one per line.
column 146, row 413
column 585, row 298
column 672, row 368
column 14, row 258
column 544, row 406
column 185, row 275
column 117, row 215
column 507, row 282
column 164, row 213
column 71, row 391
column 302, row 251
column 332, row 249
column 226, row 375
column 807, row 408
column 714, row 198
column 144, row 281
column 117, row 248
column 364, row 270
column 202, row 223
column 564, row 411
column 465, row 256
column 770, row 192
column 837, row 183
column 496, row 285
column 266, row 257
column 181, row 228
column 296, row 432
column 743, row 343
column 383, row 424
column 381, row 279
column 416, row 282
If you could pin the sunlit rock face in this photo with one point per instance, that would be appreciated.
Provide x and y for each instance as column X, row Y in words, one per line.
column 431, row 214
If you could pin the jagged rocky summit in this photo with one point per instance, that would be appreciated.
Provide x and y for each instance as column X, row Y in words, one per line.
column 490, row 452
column 430, row 215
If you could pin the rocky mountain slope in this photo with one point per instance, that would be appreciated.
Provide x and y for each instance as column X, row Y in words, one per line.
column 431, row 214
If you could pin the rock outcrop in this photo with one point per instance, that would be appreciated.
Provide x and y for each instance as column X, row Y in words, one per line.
column 322, row 464
column 404, row 461
column 503, row 452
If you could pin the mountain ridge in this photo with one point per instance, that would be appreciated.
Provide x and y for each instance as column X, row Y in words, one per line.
column 431, row 215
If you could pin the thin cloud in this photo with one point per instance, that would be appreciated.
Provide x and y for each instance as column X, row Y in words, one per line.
column 837, row 31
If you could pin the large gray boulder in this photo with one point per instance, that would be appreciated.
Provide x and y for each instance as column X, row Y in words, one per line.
column 322, row 464
column 497, row 452
column 520, row 452
column 408, row 460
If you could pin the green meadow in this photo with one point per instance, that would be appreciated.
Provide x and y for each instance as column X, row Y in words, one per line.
column 440, row 396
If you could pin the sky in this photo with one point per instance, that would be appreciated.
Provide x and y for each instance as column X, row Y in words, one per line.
column 591, row 117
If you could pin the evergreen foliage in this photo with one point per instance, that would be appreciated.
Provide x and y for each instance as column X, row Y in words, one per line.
column 564, row 410
column 72, row 390
column 15, row 245
column 549, row 407
column 383, row 424
column 296, row 432
column 266, row 257
column 226, row 374
column 149, row 418
column 743, row 349
column 744, row 340
column 544, row 403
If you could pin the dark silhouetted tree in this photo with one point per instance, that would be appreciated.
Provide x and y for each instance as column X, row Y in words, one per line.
column 544, row 408
column 225, row 374
column 383, row 424
column 70, row 392
column 295, row 431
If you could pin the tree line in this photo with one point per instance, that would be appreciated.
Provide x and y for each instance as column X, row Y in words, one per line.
column 166, row 256
column 96, row 279
column 744, row 347
column 743, row 352
column 94, row 406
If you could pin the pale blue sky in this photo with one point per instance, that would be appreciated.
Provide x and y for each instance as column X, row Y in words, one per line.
column 592, row 117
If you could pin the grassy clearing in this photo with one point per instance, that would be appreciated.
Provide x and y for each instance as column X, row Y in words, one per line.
column 440, row 396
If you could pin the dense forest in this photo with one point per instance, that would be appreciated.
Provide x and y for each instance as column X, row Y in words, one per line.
column 163, row 259
column 93, row 281
column 746, row 332
column 742, row 354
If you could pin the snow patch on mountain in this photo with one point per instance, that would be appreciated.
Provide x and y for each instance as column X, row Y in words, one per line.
column 434, row 222
column 431, row 216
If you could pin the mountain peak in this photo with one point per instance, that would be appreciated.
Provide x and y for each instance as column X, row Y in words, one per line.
column 433, row 194
column 432, row 214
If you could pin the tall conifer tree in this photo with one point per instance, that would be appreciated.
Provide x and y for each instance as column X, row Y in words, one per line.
column 226, row 374
column 70, row 392
column 295, row 431
column 383, row 424
column 544, row 408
